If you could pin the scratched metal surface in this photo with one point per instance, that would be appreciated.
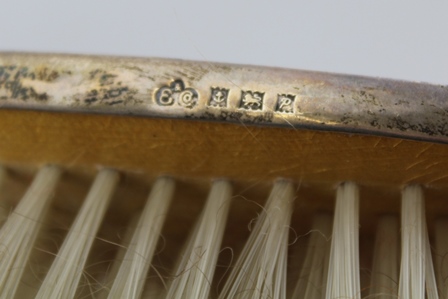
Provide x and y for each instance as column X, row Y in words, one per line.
column 223, row 92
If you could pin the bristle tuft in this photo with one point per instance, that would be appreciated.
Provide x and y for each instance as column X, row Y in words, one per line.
column 63, row 277
column 343, row 273
column 417, row 278
column 18, row 234
column 313, row 276
column 195, row 271
column 131, row 276
column 260, row 271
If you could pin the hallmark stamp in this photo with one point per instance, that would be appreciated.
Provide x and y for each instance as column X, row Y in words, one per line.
column 219, row 97
column 251, row 100
column 188, row 98
column 176, row 92
column 285, row 103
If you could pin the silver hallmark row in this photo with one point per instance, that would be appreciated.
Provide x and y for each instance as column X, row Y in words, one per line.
column 177, row 92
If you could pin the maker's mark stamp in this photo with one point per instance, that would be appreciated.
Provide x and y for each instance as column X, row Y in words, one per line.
column 176, row 92
column 285, row 103
column 251, row 100
column 219, row 97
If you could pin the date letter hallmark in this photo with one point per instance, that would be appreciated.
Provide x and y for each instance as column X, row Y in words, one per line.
column 176, row 92
column 285, row 103
column 218, row 97
column 251, row 100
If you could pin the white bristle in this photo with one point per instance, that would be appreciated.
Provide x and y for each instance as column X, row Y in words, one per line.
column 131, row 276
column 416, row 262
column 111, row 274
column 20, row 230
column 62, row 279
column 313, row 276
column 195, row 271
column 441, row 249
column 331, row 258
column 431, row 283
column 260, row 271
column 343, row 272
column 384, row 279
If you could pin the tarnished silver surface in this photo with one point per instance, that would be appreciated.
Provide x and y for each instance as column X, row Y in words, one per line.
column 223, row 92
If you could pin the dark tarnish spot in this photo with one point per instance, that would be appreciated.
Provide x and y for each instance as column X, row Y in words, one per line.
column 93, row 74
column 90, row 100
column 364, row 97
column 240, row 117
column 105, row 96
column 113, row 96
column 114, row 103
column 93, row 92
column 38, row 96
column 11, row 80
column 235, row 116
column 346, row 119
column 109, row 92
column 430, row 129
column 45, row 74
column 116, row 92
column 104, row 78
column 107, row 79
column 401, row 124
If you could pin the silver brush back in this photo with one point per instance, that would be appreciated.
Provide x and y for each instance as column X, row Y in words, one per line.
column 224, row 92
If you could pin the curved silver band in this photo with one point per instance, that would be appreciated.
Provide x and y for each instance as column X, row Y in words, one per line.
column 223, row 92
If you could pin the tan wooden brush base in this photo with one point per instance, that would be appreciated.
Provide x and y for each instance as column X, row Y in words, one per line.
column 209, row 149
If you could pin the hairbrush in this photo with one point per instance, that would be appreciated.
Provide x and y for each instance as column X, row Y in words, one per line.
column 158, row 178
